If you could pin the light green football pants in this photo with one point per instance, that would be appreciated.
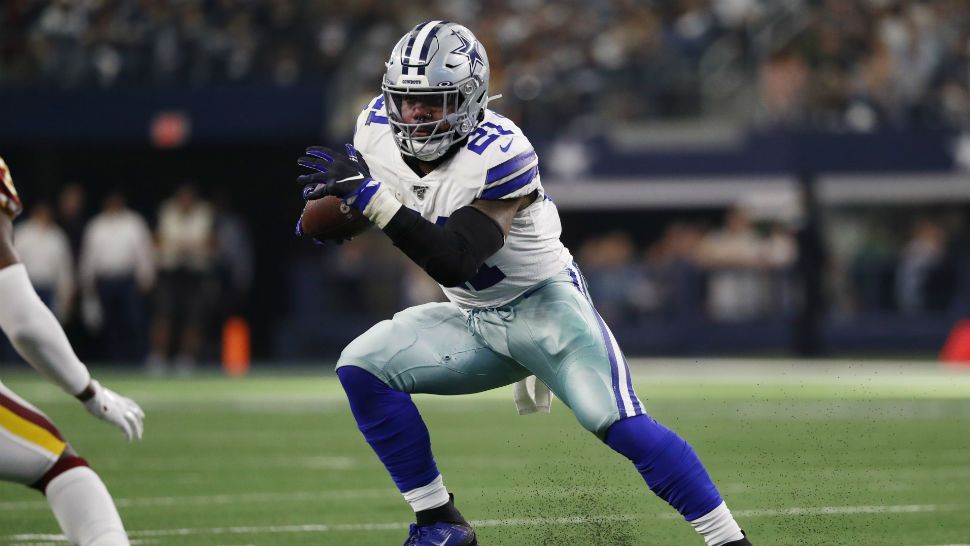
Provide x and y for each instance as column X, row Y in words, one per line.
column 552, row 331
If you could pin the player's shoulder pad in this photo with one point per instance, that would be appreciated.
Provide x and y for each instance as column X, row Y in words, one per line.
column 512, row 166
column 9, row 200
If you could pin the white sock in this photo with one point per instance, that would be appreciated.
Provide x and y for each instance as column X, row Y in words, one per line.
column 428, row 496
column 718, row 526
column 84, row 509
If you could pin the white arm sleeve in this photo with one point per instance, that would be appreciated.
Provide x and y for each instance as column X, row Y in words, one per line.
column 36, row 334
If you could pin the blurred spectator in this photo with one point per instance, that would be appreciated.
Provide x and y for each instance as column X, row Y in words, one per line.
column 609, row 266
column 739, row 262
column 667, row 283
column 43, row 249
column 783, row 87
column 367, row 275
column 72, row 215
column 116, row 270
column 57, row 32
column 919, row 260
column 844, row 64
column 417, row 286
column 873, row 270
column 954, row 87
column 781, row 252
column 233, row 256
column 736, row 289
column 186, row 265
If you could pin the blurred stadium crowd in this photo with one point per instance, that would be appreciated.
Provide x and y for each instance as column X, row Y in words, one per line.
column 729, row 269
column 128, row 292
column 158, row 287
column 122, row 279
column 854, row 64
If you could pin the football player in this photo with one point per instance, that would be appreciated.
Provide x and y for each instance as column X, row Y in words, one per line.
column 456, row 187
column 32, row 451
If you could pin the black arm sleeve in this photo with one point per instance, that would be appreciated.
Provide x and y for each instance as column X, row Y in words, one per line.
column 452, row 253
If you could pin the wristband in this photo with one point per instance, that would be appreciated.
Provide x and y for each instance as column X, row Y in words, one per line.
column 87, row 394
column 376, row 202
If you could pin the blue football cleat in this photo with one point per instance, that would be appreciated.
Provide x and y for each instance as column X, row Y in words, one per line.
column 441, row 534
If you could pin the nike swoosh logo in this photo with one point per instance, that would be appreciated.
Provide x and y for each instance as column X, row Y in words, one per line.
column 507, row 146
column 351, row 178
column 444, row 540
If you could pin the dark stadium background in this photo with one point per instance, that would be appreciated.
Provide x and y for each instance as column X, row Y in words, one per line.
column 679, row 107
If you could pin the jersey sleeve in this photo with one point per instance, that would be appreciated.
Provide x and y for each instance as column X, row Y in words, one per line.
column 9, row 200
column 513, row 170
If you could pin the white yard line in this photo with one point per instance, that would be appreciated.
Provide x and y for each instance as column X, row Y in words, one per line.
column 208, row 500
column 62, row 540
column 271, row 497
column 837, row 510
column 840, row 510
column 38, row 539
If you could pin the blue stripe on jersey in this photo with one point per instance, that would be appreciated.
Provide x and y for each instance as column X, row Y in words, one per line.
column 582, row 280
column 505, row 188
column 637, row 408
column 576, row 282
column 502, row 170
column 614, row 373
column 579, row 280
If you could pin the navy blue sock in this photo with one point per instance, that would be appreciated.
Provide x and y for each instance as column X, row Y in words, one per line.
column 392, row 426
column 667, row 463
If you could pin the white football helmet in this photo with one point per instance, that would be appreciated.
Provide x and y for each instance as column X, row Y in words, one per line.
column 444, row 63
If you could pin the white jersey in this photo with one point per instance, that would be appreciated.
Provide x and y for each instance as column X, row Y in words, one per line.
column 498, row 162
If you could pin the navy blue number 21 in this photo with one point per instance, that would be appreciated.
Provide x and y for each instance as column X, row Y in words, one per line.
column 482, row 137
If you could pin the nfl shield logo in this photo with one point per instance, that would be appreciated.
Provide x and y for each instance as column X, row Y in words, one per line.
column 419, row 191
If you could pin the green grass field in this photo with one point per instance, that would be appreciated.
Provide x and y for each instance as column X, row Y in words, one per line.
column 839, row 453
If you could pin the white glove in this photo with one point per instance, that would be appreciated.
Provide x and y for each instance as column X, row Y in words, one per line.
column 118, row 410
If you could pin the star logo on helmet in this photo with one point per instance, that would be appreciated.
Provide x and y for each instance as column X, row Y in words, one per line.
column 469, row 50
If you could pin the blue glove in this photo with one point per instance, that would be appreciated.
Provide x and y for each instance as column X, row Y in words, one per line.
column 347, row 177
column 341, row 175
column 299, row 233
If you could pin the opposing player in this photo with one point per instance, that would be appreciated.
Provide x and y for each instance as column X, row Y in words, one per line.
column 456, row 187
column 32, row 451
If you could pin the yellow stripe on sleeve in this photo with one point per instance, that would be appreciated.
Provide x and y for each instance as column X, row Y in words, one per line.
column 31, row 432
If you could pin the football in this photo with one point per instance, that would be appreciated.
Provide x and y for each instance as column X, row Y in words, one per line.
column 329, row 219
